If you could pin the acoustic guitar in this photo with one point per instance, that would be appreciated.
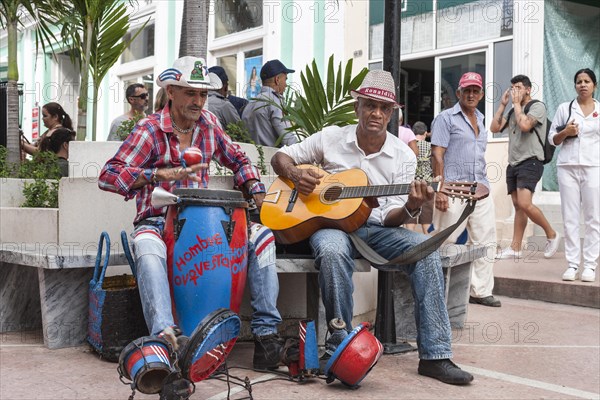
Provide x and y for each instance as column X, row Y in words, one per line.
column 338, row 202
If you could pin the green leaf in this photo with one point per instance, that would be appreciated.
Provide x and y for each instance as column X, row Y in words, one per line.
column 332, row 94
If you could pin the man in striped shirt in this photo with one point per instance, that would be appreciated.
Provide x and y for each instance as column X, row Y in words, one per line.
column 459, row 140
column 151, row 157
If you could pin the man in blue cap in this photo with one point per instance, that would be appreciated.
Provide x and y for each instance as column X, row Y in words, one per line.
column 218, row 103
column 263, row 116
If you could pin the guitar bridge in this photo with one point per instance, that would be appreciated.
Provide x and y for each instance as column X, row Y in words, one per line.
column 277, row 195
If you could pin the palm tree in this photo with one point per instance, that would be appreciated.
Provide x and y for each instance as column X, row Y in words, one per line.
column 194, row 28
column 97, row 29
column 12, row 14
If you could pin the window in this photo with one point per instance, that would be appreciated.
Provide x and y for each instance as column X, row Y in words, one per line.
column 229, row 64
column 233, row 16
column 147, row 79
column 142, row 46
column 502, row 75
column 451, row 69
column 460, row 22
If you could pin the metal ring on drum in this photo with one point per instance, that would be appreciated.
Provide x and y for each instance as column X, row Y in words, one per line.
column 146, row 362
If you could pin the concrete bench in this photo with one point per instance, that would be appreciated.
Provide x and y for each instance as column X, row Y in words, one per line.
column 47, row 285
column 456, row 265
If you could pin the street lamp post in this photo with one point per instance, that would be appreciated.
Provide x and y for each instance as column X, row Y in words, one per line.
column 385, row 323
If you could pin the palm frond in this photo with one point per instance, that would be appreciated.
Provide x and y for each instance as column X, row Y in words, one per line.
column 320, row 105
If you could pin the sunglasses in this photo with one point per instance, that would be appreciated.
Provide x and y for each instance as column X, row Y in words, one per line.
column 142, row 96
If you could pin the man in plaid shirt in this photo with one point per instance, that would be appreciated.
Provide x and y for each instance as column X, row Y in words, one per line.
column 151, row 157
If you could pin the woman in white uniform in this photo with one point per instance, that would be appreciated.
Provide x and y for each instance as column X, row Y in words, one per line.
column 576, row 127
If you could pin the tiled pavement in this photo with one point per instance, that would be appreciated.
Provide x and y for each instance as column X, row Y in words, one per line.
column 527, row 349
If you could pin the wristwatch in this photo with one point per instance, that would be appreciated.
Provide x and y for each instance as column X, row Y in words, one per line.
column 413, row 214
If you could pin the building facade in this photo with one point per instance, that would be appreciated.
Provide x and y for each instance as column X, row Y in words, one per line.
column 441, row 39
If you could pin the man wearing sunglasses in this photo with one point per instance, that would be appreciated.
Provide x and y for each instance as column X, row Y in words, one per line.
column 137, row 97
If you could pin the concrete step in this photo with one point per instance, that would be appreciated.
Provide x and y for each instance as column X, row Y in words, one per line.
column 537, row 278
column 538, row 242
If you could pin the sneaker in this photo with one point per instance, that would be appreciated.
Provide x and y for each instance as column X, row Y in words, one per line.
column 267, row 352
column 508, row 253
column 489, row 301
column 445, row 371
column 552, row 246
column 570, row 274
column 588, row 275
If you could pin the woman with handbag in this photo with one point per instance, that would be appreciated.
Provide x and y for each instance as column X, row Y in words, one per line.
column 576, row 127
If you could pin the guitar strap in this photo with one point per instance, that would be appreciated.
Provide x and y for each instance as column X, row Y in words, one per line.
column 416, row 253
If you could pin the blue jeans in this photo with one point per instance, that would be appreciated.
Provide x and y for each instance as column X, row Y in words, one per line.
column 334, row 252
column 150, row 259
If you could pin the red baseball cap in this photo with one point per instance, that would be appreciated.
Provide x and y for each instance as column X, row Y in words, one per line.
column 470, row 79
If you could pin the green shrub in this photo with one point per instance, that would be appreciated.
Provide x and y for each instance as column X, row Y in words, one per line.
column 43, row 191
column 5, row 169
column 43, row 165
column 127, row 126
column 43, row 169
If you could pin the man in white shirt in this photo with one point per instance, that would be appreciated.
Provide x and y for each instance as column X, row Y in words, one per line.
column 386, row 160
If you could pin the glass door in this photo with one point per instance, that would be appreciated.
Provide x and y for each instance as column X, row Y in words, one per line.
column 448, row 71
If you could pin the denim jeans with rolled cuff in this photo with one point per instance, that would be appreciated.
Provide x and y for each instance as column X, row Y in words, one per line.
column 334, row 253
column 150, row 259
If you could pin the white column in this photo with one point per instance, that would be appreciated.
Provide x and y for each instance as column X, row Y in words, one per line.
column 528, row 42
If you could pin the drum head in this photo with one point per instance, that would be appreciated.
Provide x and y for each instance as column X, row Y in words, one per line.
column 210, row 344
column 211, row 194
column 210, row 197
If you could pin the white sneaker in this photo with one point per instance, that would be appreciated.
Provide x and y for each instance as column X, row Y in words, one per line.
column 588, row 275
column 552, row 246
column 508, row 253
column 570, row 274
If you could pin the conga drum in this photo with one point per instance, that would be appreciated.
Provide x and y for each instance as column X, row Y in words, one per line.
column 206, row 235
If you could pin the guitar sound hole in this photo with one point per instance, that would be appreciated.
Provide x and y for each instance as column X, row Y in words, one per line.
column 332, row 193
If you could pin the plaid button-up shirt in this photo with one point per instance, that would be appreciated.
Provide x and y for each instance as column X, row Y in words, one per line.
column 152, row 144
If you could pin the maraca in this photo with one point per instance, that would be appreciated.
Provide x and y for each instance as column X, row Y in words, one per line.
column 191, row 156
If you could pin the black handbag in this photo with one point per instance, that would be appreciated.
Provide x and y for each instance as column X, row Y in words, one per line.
column 562, row 127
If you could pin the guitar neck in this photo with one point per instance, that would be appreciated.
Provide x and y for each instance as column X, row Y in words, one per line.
column 352, row 192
